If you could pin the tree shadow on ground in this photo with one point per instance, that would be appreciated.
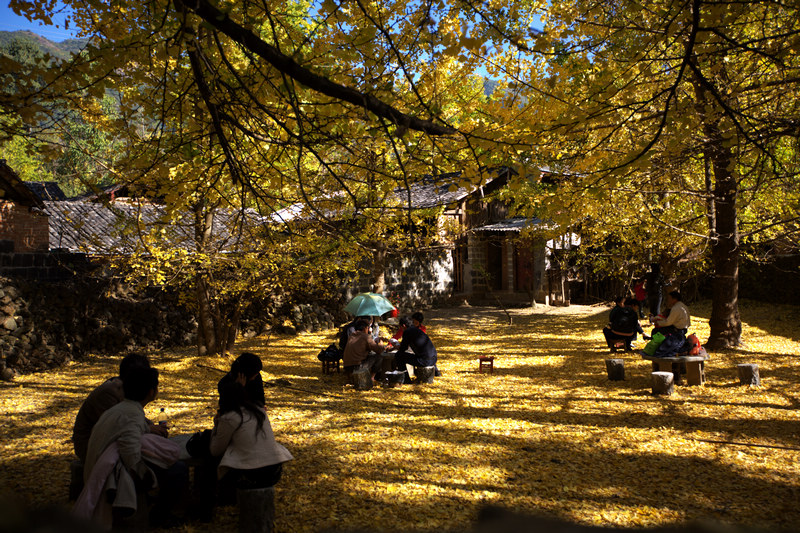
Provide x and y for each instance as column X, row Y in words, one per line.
column 554, row 468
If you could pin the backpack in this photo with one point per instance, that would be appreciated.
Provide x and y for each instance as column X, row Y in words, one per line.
column 671, row 346
column 331, row 353
column 343, row 336
column 625, row 321
column 695, row 342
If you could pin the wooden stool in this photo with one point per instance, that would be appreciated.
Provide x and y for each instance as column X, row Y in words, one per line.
column 328, row 367
column 486, row 362
column 425, row 374
column 256, row 510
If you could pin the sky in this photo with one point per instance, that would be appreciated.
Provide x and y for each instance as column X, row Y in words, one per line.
column 9, row 21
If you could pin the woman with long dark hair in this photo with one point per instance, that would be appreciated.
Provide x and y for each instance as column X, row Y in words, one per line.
column 242, row 436
column 246, row 370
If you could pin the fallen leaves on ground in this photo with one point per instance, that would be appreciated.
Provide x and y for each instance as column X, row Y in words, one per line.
column 546, row 433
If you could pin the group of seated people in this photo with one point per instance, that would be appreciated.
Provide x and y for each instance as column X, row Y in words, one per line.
column 125, row 455
column 363, row 348
column 623, row 322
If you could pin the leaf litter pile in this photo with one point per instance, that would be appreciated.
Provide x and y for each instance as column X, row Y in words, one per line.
column 547, row 433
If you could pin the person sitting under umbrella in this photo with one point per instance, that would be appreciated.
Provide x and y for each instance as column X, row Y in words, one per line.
column 362, row 351
column 422, row 351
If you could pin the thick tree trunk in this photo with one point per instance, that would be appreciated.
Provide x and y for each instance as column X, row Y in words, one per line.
column 725, row 322
column 723, row 231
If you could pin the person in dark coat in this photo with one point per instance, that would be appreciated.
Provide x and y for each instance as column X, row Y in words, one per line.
column 619, row 305
column 422, row 351
column 624, row 326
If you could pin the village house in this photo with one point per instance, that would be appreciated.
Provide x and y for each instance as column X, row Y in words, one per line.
column 482, row 254
column 24, row 225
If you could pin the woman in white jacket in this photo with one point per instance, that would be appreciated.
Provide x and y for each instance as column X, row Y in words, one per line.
column 243, row 436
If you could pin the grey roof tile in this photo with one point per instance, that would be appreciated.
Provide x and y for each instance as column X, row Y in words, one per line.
column 97, row 228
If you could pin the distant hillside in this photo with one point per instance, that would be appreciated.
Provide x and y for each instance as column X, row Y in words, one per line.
column 26, row 45
column 489, row 86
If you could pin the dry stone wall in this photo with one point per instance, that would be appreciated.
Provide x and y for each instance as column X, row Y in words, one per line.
column 44, row 324
column 413, row 281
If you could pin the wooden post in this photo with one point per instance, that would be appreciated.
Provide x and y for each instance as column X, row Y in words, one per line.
column 425, row 374
column 663, row 383
column 615, row 369
column 256, row 510
column 748, row 374
column 362, row 379
column 695, row 375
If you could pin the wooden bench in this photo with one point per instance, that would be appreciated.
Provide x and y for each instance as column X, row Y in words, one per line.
column 695, row 368
column 486, row 364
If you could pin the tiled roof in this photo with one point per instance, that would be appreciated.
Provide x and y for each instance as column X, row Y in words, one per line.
column 428, row 193
column 433, row 192
column 96, row 228
column 46, row 190
column 510, row 224
column 13, row 189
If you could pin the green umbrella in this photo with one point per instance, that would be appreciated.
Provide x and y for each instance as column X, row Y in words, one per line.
column 369, row 304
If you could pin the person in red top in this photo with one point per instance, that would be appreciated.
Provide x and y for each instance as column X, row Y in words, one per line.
column 404, row 323
column 640, row 294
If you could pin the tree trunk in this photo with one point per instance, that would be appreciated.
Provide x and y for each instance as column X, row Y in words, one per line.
column 206, row 334
column 723, row 231
column 725, row 322
column 232, row 329
column 379, row 269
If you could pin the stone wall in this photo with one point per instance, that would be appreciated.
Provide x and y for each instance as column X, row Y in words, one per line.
column 44, row 324
column 45, row 266
column 412, row 281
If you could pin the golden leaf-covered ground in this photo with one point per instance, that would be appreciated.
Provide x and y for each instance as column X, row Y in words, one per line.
column 547, row 433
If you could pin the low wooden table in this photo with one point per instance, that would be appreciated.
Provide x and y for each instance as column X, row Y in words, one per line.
column 695, row 371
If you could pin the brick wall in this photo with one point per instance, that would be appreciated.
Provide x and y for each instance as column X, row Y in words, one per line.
column 28, row 230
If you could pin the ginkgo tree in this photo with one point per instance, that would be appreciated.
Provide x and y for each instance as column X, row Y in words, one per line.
column 683, row 113
column 259, row 106
column 678, row 122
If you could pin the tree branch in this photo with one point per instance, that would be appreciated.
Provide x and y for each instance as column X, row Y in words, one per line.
column 220, row 21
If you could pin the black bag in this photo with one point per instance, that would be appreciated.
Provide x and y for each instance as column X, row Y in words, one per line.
column 331, row 353
column 199, row 445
